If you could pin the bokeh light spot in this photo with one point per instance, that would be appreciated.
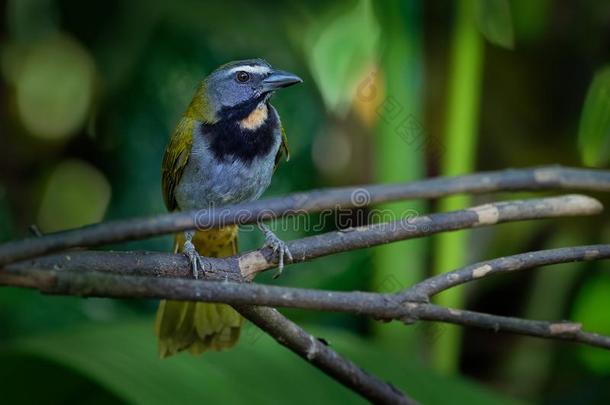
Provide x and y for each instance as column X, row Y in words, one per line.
column 55, row 88
column 75, row 194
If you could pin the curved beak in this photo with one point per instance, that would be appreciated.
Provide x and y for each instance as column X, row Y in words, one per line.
column 279, row 79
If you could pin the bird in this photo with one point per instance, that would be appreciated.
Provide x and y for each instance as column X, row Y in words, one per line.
column 224, row 150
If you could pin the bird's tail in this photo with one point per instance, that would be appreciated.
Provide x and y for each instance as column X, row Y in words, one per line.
column 199, row 326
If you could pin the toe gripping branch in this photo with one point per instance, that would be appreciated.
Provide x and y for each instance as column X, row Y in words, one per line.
column 279, row 247
column 198, row 263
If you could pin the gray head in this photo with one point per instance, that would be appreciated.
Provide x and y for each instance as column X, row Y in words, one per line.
column 236, row 88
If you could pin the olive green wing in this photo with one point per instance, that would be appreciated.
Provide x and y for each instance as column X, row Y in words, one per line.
column 283, row 150
column 175, row 159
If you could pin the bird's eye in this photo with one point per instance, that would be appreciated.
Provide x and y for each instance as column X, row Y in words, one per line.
column 242, row 76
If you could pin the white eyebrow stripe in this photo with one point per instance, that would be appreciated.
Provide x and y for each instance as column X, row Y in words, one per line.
column 250, row 69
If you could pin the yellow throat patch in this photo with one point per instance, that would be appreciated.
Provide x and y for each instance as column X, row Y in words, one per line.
column 256, row 118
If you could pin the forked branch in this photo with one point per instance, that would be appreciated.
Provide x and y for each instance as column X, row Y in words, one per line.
column 163, row 275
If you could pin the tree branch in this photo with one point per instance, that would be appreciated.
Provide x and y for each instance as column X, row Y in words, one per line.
column 246, row 266
column 523, row 261
column 82, row 273
column 71, row 273
column 568, row 331
column 541, row 178
column 376, row 305
column 287, row 333
column 314, row 351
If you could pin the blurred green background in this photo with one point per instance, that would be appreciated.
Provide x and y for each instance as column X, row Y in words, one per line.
column 394, row 91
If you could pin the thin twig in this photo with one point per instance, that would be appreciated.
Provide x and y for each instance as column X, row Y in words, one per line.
column 424, row 225
column 89, row 283
column 246, row 266
column 379, row 306
column 523, row 261
column 540, row 178
column 97, row 284
column 568, row 331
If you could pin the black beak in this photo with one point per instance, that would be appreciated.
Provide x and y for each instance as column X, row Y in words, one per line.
column 279, row 79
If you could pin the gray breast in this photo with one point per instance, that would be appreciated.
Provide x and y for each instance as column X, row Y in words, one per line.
column 208, row 182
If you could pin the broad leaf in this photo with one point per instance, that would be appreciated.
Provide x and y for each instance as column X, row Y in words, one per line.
column 594, row 131
column 339, row 47
column 590, row 309
column 122, row 359
column 494, row 21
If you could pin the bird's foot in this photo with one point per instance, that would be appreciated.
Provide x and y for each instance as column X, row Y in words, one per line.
column 280, row 248
column 197, row 261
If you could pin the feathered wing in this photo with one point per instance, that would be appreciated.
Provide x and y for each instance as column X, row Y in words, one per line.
column 194, row 326
column 283, row 150
column 175, row 159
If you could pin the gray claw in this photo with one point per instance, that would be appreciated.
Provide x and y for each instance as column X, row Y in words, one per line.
column 279, row 247
column 197, row 262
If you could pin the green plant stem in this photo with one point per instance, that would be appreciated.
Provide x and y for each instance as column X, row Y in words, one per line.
column 400, row 264
column 460, row 140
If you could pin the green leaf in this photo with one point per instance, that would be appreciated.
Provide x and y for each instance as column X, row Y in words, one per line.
column 531, row 19
column 55, row 384
column 340, row 47
column 594, row 130
column 122, row 359
column 494, row 21
column 590, row 309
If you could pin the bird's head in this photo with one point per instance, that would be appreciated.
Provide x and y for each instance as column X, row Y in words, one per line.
column 235, row 89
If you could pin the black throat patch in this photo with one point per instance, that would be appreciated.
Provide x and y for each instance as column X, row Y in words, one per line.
column 228, row 140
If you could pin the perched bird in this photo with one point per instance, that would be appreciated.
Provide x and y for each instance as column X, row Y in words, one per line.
column 223, row 151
